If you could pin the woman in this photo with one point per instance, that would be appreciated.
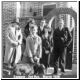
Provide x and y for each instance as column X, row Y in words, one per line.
column 26, row 29
column 26, row 33
column 45, row 47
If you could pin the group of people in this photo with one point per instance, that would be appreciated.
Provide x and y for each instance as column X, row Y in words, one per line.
column 42, row 44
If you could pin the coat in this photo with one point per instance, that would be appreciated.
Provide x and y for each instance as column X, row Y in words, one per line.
column 10, row 44
column 33, row 47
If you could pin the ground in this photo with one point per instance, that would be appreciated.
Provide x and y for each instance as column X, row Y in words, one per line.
column 68, row 73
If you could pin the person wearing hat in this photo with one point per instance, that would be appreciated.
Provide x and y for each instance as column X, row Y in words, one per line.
column 45, row 47
column 10, row 44
column 33, row 51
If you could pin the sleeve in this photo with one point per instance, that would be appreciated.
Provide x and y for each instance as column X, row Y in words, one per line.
column 21, row 37
column 69, row 37
column 40, row 48
column 54, row 35
column 28, row 49
column 8, row 36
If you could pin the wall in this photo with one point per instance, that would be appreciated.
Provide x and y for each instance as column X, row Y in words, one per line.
column 8, row 14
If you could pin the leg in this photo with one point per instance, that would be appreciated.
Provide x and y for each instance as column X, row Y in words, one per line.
column 62, row 61
column 18, row 54
column 55, row 62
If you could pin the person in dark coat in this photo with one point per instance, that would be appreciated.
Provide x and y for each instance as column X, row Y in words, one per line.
column 62, row 39
column 45, row 47
column 41, row 28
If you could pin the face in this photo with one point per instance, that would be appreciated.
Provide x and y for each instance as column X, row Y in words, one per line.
column 33, row 21
column 42, row 23
column 61, row 24
column 33, row 30
column 13, row 25
column 17, row 27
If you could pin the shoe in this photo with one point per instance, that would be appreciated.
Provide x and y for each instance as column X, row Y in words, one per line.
column 45, row 71
column 55, row 73
column 62, row 73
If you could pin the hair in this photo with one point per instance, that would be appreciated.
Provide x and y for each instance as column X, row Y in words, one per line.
column 27, row 26
column 15, row 23
column 33, row 25
column 31, row 20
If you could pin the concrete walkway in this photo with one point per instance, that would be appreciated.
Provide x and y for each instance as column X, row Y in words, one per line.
column 68, row 73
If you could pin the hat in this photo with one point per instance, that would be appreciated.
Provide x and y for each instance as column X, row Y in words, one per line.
column 14, row 22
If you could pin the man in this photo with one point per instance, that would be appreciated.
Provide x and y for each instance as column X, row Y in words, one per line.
column 33, row 51
column 62, row 39
column 41, row 28
column 10, row 44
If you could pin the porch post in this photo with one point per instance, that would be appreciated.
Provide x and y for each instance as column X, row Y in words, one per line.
column 18, row 11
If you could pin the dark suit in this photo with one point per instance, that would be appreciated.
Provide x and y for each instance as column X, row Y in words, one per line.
column 40, row 32
column 61, row 39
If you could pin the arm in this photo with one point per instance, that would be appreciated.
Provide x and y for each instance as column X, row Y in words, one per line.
column 28, row 49
column 21, row 37
column 9, row 34
column 39, row 50
column 69, row 38
column 54, row 35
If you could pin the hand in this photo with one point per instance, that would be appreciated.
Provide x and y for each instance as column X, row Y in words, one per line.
column 31, row 59
column 47, row 52
column 62, row 38
column 36, row 59
column 17, row 43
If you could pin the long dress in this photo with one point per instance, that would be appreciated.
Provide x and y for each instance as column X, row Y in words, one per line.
column 45, row 46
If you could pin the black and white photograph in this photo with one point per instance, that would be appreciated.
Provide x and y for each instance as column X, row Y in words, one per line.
column 39, row 39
